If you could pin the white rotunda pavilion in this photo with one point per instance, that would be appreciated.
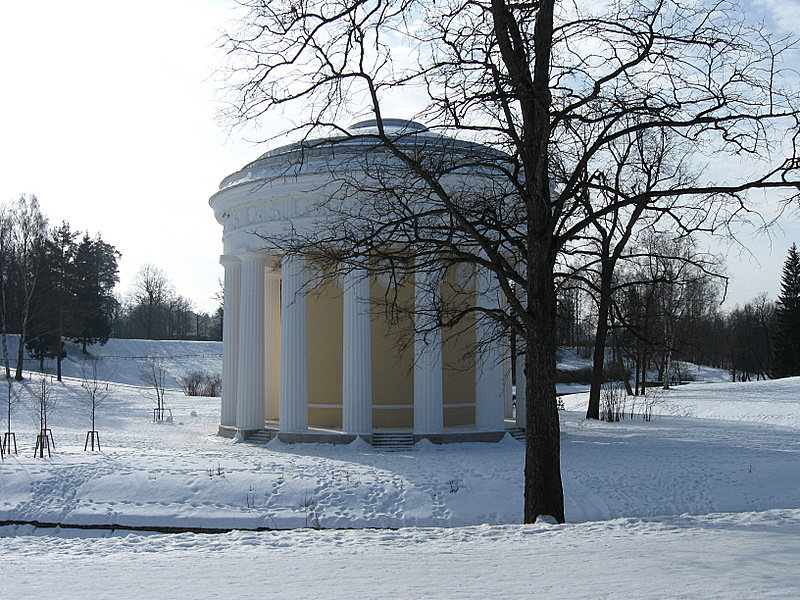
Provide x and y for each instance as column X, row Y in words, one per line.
column 324, row 366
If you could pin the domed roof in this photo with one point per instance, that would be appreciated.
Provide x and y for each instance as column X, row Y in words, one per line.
column 347, row 152
column 399, row 126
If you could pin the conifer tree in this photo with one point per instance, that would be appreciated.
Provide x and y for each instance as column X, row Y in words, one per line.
column 96, row 274
column 53, row 304
column 787, row 342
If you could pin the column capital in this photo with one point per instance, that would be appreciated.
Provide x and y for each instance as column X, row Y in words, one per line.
column 253, row 256
column 229, row 260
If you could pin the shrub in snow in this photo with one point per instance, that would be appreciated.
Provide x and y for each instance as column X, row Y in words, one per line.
column 612, row 403
column 200, row 383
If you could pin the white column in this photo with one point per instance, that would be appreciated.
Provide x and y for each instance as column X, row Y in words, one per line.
column 521, row 375
column 508, row 396
column 230, row 337
column 521, row 391
column 356, row 355
column 293, row 382
column 428, row 406
column 250, row 378
column 488, row 361
column 272, row 344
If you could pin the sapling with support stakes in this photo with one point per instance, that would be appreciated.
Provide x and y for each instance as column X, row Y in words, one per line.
column 44, row 402
column 9, row 437
column 96, row 392
column 154, row 375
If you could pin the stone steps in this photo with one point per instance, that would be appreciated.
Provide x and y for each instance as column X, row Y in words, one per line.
column 261, row 437
column 393, row 442
column 518, row 433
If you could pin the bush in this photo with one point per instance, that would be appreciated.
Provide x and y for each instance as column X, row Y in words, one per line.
column 200, row 383
column 612, row 403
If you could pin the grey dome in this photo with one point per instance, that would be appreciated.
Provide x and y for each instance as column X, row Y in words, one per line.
column 341, row 153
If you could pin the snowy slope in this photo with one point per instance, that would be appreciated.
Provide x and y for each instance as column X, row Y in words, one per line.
column 775, row 402
column 121, row 360
column 181, row 473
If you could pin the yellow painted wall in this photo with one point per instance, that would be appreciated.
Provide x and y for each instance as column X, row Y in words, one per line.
column 458, row 363
column 392, row 369
column 324, row 307
column 458, row 416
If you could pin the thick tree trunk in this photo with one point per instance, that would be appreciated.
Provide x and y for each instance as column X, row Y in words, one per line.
column 601, row 335
column 544, row 494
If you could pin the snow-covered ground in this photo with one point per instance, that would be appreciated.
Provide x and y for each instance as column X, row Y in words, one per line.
column 747, row 556
column 121, row 360
column 702, row 501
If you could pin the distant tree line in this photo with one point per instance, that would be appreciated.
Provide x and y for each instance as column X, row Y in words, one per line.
column 56, row 284
column 154, row 310
column 664, row 301
column 756, row 340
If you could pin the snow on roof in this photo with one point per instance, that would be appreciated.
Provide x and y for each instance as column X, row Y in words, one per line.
column 347, row 152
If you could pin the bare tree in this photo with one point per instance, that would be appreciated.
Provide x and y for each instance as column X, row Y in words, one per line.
column 152, row 294
column 154, row 375
column 9, row 437
column 635, row 164
column 27, row 236
column 6, row 225
column 96, row 392
column 665, row 285
column 44, row 401
column 517, row 83
column 750, row 331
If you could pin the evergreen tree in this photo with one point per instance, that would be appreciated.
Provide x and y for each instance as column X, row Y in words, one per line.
column 52, row 305
column 787, row 342
column 95, row 275
column 42, row 341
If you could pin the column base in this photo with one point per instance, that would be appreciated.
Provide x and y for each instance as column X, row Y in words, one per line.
column 230, row 432
column 334, row 437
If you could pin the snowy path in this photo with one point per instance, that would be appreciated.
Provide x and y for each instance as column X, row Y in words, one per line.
column 747, row 555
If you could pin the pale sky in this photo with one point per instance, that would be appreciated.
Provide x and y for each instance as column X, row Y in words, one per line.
column 107, row 114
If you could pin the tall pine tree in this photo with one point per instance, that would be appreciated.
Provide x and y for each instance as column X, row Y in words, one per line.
column 96, row 274
column 787, row 342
